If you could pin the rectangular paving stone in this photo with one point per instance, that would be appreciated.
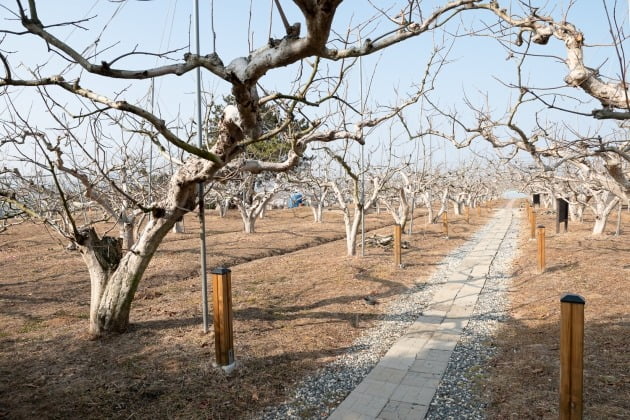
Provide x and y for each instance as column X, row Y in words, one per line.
column 436, row 312
column 424, row 380
column 374, row 388
column 413, row 394
column 480, row 270
column 386, row 374
column 425, row 319
column 368, row 405
column 435, row 355
column 397, row 410
column 348, row 415
column 461, row 312
column 398, row 357
column 428, row 366
column 452, row 325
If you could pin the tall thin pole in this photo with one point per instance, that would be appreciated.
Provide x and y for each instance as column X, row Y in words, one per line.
column 362, row 164
column 202, row 216
column 151, row 144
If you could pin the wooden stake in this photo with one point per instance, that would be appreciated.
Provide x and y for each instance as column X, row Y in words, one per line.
column 467, row 214
column 571, row 356
column 532, row 223
column 222, row 299
column 541, row 249
column 397, row 245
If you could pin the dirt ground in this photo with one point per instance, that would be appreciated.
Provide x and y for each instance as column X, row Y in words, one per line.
column 298, row 303
column 524, row 381
column 293, row 312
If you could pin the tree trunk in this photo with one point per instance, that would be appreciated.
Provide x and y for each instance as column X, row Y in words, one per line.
column 352, row 229
column 318, row 212
column 126, row 235
column 263, row 211
column 457, row 207
column 603, row 208
column 443, row 207
column 114, row 277
column 430, row 213
column 600, row 225
column 178, row 227
column 222, row 207
column 249, row 223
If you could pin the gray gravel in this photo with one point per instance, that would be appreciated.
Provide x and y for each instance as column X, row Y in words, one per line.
column 320, row 393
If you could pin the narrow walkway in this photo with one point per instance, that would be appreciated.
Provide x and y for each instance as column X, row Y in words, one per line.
column 403, row 383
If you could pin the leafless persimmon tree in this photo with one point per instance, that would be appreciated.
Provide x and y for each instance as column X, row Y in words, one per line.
column 318, row 48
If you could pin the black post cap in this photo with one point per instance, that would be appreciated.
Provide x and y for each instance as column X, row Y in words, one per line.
column 540, row 226
column 221, row 270
column 569, row 298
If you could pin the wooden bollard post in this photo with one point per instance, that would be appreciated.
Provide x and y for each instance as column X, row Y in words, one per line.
column 445, row 223
column 541, row 248
column 222, row 299
column 571, row 356
column 532, row 223
column 397, row 245
column 467, row 214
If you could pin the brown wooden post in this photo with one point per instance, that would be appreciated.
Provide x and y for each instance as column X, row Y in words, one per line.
column 541, row 248
column 467, row 214
column 445, row 223
column 532, row 223
column 397, row 245
column 222, row 299
column 571, row 356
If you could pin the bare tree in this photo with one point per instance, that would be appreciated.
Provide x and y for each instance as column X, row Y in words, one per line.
column 116, row 271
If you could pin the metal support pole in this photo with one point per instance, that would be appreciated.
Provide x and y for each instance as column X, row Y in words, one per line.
column 541, row 249
column 202, row 216
column 413, row 209
column 571, row 356
column 397, row 245
column 222, row 306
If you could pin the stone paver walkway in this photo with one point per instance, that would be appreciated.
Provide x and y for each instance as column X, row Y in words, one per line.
column 403, row 383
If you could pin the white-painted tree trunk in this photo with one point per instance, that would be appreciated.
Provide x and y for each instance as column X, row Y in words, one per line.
column 457, row 207
column 223, row 206
column 605, row 203
column 317, row 204
column 178, row 227
column 443, row 206
column 318, row 212
column 428, row 202
column 352, row 229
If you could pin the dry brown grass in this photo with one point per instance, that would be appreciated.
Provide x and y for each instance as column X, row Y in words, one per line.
column 293, row 312
column 525, row 378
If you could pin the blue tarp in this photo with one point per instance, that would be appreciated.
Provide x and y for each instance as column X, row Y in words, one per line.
column 295, row 200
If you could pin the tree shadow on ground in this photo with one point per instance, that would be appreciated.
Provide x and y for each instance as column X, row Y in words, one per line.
column 530, row 349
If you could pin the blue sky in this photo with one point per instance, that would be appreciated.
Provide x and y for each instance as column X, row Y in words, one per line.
column 165, row 25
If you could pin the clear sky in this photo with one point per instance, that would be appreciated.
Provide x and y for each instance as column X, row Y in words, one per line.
column 159, row 25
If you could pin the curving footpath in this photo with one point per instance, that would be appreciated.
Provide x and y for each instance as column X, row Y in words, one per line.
column 403, row 383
